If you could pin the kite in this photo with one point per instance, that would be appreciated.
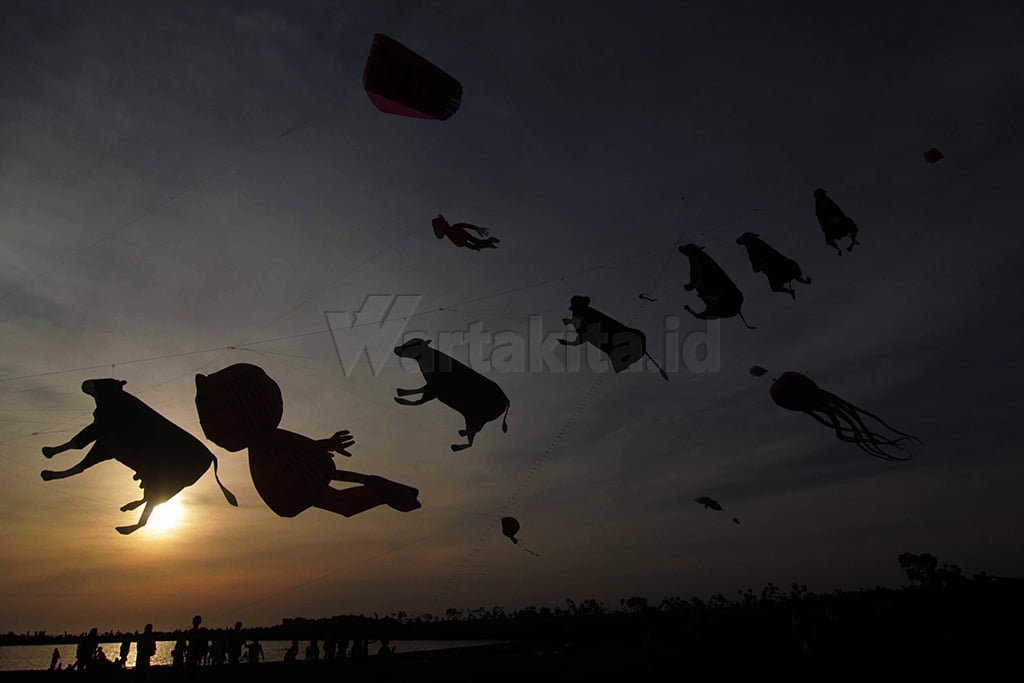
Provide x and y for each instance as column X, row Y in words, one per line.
column 709, row 503
column 458, row 234
column 780, row 270
column 399, row 81
column 165, row 457
column 794, row 391
column 933, row 156
column 712, row 504
column 509, row 529
column 721, row 297
column 623, row 345
column 834, row 223
column 461, row 388
column 241, row 407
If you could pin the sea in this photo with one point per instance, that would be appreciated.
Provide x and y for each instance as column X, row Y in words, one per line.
column 33, row 657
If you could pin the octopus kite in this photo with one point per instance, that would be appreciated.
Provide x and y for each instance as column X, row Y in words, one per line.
column 794, row 391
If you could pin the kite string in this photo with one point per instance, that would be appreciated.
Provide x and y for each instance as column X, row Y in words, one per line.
column 540, row 461
column 312, row 333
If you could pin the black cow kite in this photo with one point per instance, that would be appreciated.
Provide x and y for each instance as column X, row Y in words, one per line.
column 624, row 345
column 458, row 386
column 834, row 223
column 780, row 270
column 721, row 297
column 165, row 457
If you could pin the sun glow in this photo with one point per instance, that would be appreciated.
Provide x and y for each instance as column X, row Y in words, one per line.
column 166, row 517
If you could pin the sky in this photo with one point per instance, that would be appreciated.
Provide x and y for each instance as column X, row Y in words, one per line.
column 190, row 176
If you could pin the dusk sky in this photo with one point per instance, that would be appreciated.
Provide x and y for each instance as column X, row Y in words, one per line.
column 181, row 176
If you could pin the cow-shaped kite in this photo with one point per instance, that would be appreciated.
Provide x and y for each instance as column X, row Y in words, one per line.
column 721, row 297
column 622, row 344
column 834, row 223
column 165, row 457
column 458, row 386
column 780, row 270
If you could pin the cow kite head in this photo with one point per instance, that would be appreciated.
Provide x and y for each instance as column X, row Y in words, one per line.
column 579, row 304
column 414, row 348
column 102, row 387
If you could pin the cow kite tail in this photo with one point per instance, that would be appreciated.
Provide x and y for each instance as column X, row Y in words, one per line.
column 230, row 497
column 749, row 326
column 504, row 419
column 663, row 373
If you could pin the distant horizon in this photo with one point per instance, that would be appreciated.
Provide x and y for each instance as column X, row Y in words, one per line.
column 462, row 612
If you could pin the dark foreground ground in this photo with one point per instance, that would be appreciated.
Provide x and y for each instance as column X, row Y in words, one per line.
column 521, row 661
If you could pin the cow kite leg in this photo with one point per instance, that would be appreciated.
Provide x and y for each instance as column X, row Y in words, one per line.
column 780, row 286
column 704, row 315
column 127, row 507
column 146, row 512
column 428, row 395
column 469, row 432
column 78, row 441
column 96, row 454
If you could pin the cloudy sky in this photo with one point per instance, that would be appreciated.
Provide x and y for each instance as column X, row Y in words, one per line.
column 150, row 206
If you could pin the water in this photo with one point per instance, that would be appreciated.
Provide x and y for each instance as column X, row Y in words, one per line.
column 29, row 657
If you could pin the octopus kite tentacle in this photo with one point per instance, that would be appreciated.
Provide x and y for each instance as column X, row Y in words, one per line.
column 857, row 432
column 798, row 392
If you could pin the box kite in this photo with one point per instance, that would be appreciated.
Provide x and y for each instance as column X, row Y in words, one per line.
column 399, row 81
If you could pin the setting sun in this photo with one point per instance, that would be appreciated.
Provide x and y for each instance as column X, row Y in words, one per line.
column 167, row 516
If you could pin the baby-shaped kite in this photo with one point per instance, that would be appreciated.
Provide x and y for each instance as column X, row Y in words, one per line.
column 241, row 407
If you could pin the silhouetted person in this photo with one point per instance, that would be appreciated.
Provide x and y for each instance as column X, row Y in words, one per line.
column 459, row 235
column 100, row 661
column 197, row 644
column 126, row 648
column 292, row 652
column 234, row 646
column 312, row 651
column 217, row 652
column 385, row 650
column 254, row 652
column 178, row 654
column 330, row 648
column 165, row 457
column 145, row 648
column 834, row 223
column 54, row 659
column 342, row 648
column 85, row 653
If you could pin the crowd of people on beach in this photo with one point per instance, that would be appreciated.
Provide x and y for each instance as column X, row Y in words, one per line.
column 200, row 648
